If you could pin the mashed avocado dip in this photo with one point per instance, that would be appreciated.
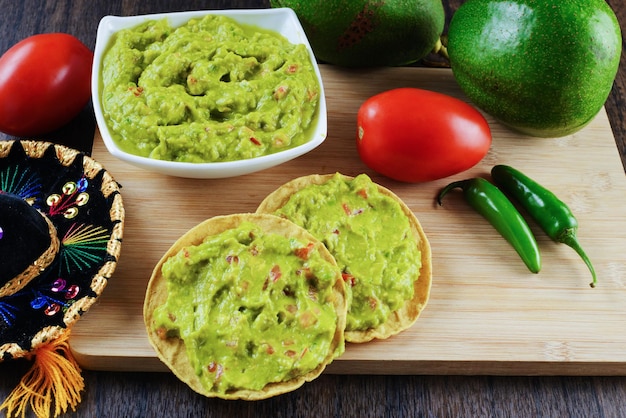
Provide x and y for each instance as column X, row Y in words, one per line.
column 253, row 307
column 370, row 237
column 208, row 91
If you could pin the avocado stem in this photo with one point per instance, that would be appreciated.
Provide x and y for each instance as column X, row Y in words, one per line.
column 441, row 50
column 438, row 57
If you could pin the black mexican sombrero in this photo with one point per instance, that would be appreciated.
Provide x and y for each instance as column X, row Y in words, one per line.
column 61, row 223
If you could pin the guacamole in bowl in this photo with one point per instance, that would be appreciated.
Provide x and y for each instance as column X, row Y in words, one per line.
column 207, row 94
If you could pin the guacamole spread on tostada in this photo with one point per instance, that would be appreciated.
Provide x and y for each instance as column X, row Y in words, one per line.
column 257, row 311
column 376, row 240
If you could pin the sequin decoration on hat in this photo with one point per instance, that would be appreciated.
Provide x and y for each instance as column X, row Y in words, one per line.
column 61, row 224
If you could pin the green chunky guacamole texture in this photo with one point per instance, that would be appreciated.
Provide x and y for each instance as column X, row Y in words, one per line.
column 370, row 237
column 252, row 307
column 210, row 90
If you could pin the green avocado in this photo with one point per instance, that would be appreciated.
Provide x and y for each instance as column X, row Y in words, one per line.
column 542, row 67
column 368, row 33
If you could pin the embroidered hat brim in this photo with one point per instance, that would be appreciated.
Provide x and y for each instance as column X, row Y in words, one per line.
column 84, row 204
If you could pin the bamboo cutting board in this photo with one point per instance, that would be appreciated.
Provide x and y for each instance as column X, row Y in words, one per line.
column 486, row 315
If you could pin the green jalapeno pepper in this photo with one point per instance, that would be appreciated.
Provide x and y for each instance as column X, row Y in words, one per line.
column 494, row 206
column 550, row 213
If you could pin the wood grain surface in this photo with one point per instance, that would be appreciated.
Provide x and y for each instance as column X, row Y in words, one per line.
column 139, row 395
column 487, row 314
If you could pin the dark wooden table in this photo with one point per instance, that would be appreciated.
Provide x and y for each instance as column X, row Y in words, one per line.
column 116, row 394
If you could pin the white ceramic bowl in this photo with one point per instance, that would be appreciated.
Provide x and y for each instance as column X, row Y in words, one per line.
column 282, row 20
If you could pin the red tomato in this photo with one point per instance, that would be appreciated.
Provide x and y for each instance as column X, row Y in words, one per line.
column 44, row 83
column 415, row 135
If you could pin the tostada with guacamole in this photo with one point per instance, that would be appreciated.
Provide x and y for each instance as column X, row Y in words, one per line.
column 210, row 90
column 376, row 240
column 246, row 306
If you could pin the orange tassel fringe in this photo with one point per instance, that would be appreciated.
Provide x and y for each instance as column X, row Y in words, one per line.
column 54, row 379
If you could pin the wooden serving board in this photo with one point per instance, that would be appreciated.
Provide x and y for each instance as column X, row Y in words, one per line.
column 486, row 315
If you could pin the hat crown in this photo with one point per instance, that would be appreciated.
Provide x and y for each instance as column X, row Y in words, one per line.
column 28, row 243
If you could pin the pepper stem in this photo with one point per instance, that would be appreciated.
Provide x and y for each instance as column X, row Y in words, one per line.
column 449, row 187
column 571, row 241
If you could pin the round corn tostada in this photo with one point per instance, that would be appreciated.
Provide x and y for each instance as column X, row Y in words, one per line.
column 246, row 306
column 377, row 241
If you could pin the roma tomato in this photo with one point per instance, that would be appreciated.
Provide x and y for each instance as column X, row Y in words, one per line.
column 415, row 135
column 44, row 83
